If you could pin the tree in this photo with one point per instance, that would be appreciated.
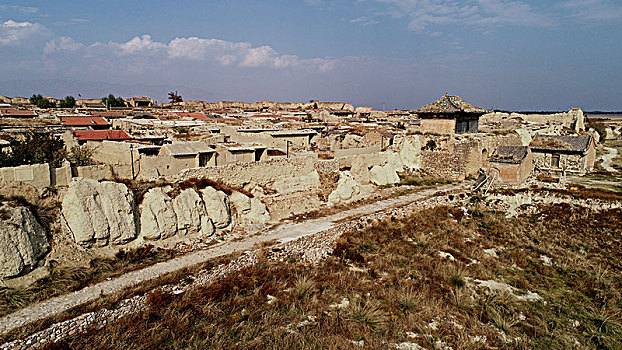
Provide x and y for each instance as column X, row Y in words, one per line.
column 35, row 148
column 68, row 102
column 41, row 102
column 175, row 97
column 81, row 155
column 112, row 101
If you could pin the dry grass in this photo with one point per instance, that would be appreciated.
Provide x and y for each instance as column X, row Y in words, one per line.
column 400, row 285
column 549, row 143
column 63, row 280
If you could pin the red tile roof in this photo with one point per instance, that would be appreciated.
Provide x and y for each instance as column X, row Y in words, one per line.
column 100, row 135
column 11, row 112
column 83, row 121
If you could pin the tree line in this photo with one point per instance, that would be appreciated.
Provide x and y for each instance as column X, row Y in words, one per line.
column 70, row 101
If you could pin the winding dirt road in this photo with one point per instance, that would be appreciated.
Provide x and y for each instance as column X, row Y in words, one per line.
column 607, row 158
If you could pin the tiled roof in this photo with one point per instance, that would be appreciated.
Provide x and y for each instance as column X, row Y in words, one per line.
column 11, row 112
column 573, row 143
column 450, row 104
column 83, row 121
column 100, row 135
column 509, row 154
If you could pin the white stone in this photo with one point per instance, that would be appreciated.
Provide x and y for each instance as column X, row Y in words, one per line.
column 217, row 206
column 99, row 213
column 525, row 136
column 23, row 242
column 258, row 213
column 157, row 216
column 192, row 217
column 347, row 189
column 241, row 202
column 395, row 162
column 409, row 147
column 383, row 175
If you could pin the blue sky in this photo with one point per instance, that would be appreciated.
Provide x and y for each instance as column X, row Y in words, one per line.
column 504, row 54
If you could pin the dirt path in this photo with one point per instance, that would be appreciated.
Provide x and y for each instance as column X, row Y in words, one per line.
column 284, row 232
column 607, row 158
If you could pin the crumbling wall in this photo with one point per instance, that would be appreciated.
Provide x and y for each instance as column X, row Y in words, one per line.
column 465, row 159
column 347, row 152
column 258, row 172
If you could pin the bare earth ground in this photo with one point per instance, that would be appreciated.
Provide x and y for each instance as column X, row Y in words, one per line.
column 283, row 233
column 607, row 158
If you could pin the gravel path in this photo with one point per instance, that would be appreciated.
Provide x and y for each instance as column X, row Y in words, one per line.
column 607, row 158
column 284, row 233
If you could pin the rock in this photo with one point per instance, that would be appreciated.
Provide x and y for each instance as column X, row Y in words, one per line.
column 157, row 216
column 241, row 202
column 99, row 213
column 595, row 135
column 383, row 175
column 118, row 205
column 351, row 141
column 249, row 210
column 23, row 241
column 347, row 189
column 525, row 136
column 608, row 134
column 258, row 213
column 192, row 217
column 409, row 147
column 577, row 118
column 395, row 162
column 217, row 206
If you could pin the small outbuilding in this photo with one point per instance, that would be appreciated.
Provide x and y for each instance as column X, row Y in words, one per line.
column 450, row 115
column 564, row 153
column 514, row 164
column 192, row 154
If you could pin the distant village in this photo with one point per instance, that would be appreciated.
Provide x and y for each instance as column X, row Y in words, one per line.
column 133, row 138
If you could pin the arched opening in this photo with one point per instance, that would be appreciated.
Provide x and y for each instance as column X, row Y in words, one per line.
column 485, row 158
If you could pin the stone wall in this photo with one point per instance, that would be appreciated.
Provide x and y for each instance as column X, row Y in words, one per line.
column 438, row 126
column 155, row 167
column 575, row 163
column 37, row 175
column 346, row 152
column 257, row 172
column 95, row 172
column 443, row 164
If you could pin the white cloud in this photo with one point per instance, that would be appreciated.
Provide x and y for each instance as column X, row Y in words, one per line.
column 478, row 13
column 364, row 20
column 241, row 53
column 592, row 10
column 62, row 43
column 142, row 44
column 20, row 9
column 17, row 33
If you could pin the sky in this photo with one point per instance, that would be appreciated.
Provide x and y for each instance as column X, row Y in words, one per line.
column 389, row 54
